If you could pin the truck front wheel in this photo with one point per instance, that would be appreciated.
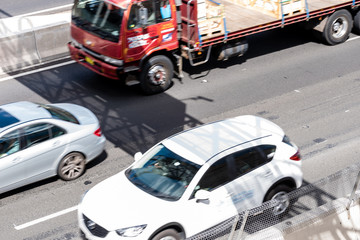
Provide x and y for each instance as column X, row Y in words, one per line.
column 156, row 76
column 338, row 27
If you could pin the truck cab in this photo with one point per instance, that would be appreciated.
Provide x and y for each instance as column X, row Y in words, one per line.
column 113, row 37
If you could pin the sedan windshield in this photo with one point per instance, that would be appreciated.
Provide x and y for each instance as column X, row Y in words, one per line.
column 162, row 173
column 98, row 17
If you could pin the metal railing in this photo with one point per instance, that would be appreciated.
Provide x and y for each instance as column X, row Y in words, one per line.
column 310, row 203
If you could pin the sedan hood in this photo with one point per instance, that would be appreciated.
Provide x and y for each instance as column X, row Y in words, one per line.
column 117, row 203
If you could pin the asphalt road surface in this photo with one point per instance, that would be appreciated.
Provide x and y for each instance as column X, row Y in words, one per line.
column 309, row 89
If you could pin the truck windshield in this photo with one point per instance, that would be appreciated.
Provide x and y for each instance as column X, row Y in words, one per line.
column 98, row 17
column 162, row 173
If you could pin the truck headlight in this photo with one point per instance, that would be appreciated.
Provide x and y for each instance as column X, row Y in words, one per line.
column 113, row 61
column 131, row 231
column 75, row 43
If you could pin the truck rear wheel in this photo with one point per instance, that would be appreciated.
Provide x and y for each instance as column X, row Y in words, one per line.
column 337, row 27
column 156, row 76
column 357, row 23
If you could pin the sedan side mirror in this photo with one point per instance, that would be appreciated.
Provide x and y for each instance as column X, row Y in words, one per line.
column 138, row 156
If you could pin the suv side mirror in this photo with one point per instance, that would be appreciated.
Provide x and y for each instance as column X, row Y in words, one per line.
column 202, row 195
column 138, row 156
column 143, row 13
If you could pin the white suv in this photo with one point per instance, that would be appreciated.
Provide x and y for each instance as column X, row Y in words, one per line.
column 194, row 180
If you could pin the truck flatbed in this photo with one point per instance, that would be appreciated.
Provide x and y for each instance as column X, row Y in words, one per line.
column 241, row 20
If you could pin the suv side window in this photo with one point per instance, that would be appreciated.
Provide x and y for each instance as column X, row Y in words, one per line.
column 252, row 158
column 235, row 165
column 217, row 175
column 10, row 143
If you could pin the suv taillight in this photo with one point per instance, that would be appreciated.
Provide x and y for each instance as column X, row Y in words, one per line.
column 98, row 132
column 296, row 156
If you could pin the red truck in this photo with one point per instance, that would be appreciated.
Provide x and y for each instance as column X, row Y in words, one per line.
column 152, row 37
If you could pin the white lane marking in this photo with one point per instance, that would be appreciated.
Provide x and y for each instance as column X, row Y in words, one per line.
column 54, row 215
column 45, row 10
column 36, row 70
column 357, row 37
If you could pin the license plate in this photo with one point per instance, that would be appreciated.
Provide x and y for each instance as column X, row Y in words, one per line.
column 89, row 60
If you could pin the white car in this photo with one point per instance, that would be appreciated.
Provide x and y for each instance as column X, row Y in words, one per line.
column 38, row 141
column 194, row 180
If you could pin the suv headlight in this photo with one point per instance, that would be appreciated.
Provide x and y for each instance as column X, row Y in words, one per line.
column 131, row 231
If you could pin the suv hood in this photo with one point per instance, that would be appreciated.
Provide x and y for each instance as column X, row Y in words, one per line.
column 117, row 203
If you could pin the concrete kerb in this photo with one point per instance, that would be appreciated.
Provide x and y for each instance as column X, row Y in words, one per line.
column 27, row 40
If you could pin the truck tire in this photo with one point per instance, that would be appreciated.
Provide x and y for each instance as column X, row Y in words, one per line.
column 357, row 23
column 337, row 27
column 156, row 75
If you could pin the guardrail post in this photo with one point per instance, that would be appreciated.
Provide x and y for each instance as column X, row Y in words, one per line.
column 241, row 230
column 351, row 197
column 233, row 229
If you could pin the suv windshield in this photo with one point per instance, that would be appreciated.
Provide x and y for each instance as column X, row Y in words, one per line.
column 98, row 17
column 162, row 173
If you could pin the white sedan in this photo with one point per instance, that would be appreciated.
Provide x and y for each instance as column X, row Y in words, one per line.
column 38, row 141
column 194, row 180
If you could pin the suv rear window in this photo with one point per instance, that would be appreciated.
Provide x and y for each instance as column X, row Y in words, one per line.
column 6, row 118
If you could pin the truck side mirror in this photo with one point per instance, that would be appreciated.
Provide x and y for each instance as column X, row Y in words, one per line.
column 143, row 14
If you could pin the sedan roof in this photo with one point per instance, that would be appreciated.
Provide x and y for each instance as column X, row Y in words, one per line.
column 201, row 143
column 21, row 112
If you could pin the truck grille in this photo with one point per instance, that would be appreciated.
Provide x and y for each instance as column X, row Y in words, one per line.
column 94, row 228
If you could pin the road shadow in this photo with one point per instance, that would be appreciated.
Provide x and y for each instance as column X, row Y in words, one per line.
column 129, row 120
column 260, row 44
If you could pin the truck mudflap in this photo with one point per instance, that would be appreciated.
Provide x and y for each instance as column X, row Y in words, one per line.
column 95, row 64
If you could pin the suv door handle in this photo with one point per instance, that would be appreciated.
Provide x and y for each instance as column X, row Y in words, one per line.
column 267, row 174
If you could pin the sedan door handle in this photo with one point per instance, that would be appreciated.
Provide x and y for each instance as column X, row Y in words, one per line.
column 153, row 37
column 16, row 160
column 57, row 143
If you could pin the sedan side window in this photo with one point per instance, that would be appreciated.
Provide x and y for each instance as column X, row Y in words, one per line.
column 36, row 134
column 10, row 143
column 57, row 131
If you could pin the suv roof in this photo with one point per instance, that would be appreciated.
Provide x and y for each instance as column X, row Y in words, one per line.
column 201, row 143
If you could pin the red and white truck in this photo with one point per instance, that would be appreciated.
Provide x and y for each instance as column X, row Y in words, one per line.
column 152, row 37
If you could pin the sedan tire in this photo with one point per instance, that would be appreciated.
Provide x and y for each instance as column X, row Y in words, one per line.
column 71, row 166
